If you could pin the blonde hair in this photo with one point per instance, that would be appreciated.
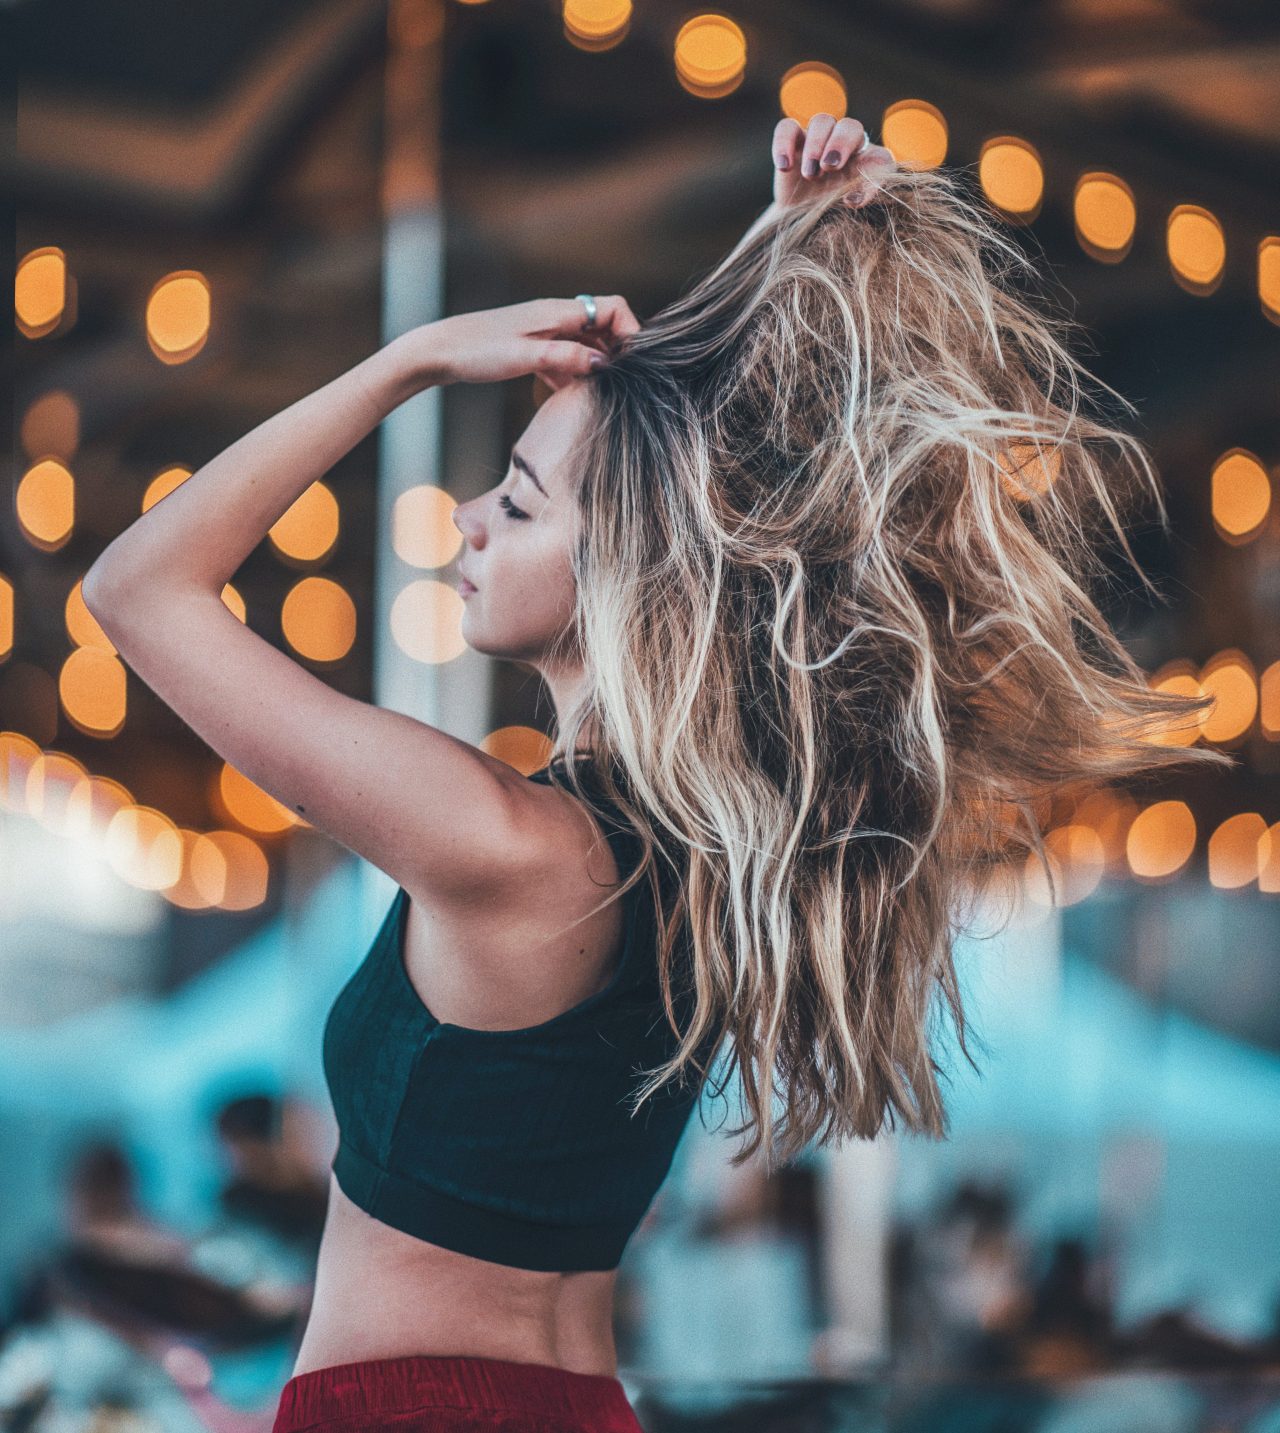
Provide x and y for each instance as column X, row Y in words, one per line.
column 840, row 507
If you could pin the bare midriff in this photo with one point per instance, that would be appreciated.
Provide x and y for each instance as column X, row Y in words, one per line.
column 380, row 1293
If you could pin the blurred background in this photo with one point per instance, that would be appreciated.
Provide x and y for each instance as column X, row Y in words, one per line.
column 213, row 211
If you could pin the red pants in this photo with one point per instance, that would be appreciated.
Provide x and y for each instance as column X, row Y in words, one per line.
column 429, row 1393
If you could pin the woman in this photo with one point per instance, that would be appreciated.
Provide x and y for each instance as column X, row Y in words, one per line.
column 802, row 564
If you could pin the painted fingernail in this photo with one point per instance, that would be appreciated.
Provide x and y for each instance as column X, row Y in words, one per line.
column 809, row 168
column 596, row 360
column 831, row 157
column 784, row 161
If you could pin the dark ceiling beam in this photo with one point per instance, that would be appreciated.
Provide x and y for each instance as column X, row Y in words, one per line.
column 81, row 148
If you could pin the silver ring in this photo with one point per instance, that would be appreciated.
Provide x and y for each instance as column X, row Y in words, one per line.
column 866, row 143
column 590, row 307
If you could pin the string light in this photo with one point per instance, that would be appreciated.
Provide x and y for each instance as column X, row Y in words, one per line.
column 1105, row 216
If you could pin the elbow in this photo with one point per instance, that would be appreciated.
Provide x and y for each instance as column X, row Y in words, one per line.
column 101, row 592
column 91, row 592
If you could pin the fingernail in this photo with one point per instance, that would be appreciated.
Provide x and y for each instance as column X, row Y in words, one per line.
column 784, row 161
column 809, row 168
column 832, row 156
column 596, row 360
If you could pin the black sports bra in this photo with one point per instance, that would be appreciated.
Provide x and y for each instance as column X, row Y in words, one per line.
column 515, row 1146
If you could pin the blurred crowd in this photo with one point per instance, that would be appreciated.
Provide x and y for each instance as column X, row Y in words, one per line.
column 128, row 1327
column 972, row 1294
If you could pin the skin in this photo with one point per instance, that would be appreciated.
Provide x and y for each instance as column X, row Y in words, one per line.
column 378, row 1292
column 518, row 539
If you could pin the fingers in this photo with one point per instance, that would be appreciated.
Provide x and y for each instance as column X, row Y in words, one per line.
column 787, row 139
column 614, row 319
column 815, row 142
column 614, row 314
column 843, row 143
column 560, row 360
column 837, row 149
column 872, row 165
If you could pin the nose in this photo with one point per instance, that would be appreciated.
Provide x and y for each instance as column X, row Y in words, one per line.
column 465, row 520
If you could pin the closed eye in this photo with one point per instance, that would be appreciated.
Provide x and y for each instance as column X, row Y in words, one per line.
column 505, row 503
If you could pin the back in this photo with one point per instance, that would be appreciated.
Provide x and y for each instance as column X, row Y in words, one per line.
column 514, row 1145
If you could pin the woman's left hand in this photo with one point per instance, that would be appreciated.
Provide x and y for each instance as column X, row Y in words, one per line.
column 830, row 154
column 549, row 337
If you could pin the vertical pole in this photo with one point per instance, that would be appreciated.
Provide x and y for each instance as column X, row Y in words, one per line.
column 413, row 294
column 454, row 696
column 856, row 1190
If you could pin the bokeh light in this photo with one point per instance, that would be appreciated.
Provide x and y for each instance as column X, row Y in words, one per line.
column 811, row 88
column 143, row 848
column 1027, row 470
column 51, row 426
column 185, row 893
column 318, row 619
column 1269, row 276
column 423, row 532
column 1108, row 814
column 1161, row 840
column 1233, row 851
column 92, row 688
column 1269, row 860
column 1240, row 494
column 91, row 807
column 46, row 504
column 229, row 870
column 1105, row 216
column 1076, row 860
column 6, row 617
column 52, row 779
column 233, row 602
column 1197, row 248
column 524, row 747
column 710, row 55
column 1179, row 679
column 308, row 528
column 18, row 754
column 1230, row 679
column 246, row 803
column 163, row 484
column 1269, row 702
column 40, row 292
column 178, row 316
column 915, row 133
column 1012, row 176
column 426, row 621
column 596, row 24
column 82, row 626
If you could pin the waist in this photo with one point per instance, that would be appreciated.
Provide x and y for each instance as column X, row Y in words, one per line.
column 417, row 1207
column 381, row 1293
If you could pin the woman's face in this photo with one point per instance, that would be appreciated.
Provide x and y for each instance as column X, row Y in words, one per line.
column 519, row 537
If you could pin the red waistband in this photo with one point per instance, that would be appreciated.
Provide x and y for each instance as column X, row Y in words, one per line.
column 495, row 1385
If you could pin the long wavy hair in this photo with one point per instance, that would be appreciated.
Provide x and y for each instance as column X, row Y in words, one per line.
column 841, row 505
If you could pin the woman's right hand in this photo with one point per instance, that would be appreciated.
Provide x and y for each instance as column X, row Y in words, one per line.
column 805, row 153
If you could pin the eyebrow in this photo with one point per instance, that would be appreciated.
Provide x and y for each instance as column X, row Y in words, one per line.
column 522, row 463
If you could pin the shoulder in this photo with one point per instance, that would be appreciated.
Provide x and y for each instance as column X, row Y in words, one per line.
column 524, row 947
column 562, row 833
column 552, row 850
